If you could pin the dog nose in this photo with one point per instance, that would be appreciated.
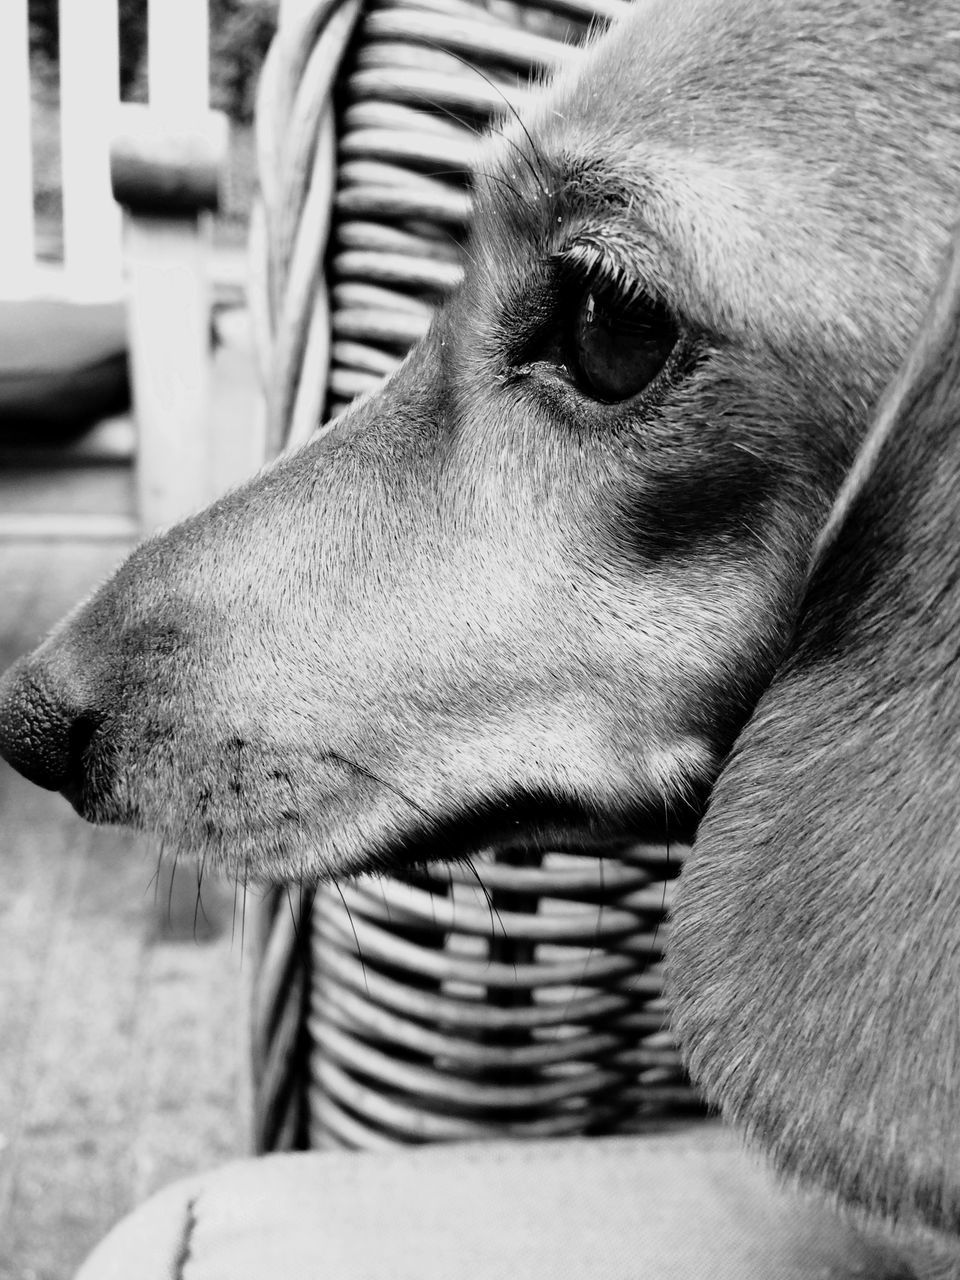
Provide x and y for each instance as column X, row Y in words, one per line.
column 44, row 726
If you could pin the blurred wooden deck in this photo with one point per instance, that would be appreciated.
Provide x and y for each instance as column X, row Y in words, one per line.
column 123, row 1025
column 123, row 1039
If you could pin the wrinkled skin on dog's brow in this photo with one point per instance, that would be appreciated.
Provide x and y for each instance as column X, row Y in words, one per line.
column 486, row 603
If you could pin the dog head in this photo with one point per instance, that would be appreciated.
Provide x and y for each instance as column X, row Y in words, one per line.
column 536, row 585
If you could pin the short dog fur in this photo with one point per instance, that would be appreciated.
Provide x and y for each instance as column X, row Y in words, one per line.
column 490, row 601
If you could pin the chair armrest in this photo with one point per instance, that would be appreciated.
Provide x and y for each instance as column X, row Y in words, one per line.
column 683, row 1205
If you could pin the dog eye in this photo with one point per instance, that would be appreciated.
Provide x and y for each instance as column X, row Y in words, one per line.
column 617, row 346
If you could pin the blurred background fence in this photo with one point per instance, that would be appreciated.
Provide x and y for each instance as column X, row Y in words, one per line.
column 65, row 65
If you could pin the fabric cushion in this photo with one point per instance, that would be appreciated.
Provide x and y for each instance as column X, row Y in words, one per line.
column 63, row 367
column 687, row 1205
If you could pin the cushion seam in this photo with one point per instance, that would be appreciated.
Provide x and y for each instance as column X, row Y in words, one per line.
column 182, row 1256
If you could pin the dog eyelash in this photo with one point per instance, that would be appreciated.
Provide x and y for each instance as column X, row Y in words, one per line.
column 604, row 264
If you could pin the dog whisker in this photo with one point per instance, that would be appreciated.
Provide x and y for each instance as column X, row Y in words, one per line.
column 198, row 908
column 356, row 939
column 233, row 919
column 666, row 875
column 371, row 776
column 243, row 907
column 386, row 901
column 483, row 173
column 498, row 89
column 495, row 916
column 155, row 878
column 294, row 920
column 537, row 177
column 173, row 876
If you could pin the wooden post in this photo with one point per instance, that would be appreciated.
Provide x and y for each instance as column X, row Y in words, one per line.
column 89, row 99
column 166, row 172
column 16, row 206
column 169, row 320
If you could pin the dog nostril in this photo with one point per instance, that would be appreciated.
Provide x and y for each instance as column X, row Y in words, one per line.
column 80, row 735
column 41, row 734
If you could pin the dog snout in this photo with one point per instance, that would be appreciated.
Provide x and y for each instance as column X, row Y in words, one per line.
column 47, row 723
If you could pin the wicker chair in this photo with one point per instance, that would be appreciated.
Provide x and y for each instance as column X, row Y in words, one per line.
column 525, row 1001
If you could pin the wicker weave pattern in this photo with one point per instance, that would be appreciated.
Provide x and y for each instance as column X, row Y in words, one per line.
column 520, row 994
column 530, row 1006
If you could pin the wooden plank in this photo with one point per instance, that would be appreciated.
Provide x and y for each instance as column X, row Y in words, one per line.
column 65, row 1130
column 16, row 164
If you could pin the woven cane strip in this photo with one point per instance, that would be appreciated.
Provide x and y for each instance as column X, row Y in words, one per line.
column 279, row 1041
column 296, row 160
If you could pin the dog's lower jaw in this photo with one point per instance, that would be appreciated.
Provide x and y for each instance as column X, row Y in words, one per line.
column 345, row 817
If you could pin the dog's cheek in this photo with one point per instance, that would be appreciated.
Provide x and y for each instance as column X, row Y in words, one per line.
column 705, row 519
column 690, row 642
column 745, row 449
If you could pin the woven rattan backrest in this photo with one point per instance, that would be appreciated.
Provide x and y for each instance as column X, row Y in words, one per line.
column 523, row 996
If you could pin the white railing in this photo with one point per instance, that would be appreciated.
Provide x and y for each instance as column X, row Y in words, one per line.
column 155, row 255
column 16, row 205
column 178, row 59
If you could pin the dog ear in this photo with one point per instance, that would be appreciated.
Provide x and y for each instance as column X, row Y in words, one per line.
column 814, row 959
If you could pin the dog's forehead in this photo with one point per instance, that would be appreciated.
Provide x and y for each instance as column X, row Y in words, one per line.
column 769, row 151
column 830, row 77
